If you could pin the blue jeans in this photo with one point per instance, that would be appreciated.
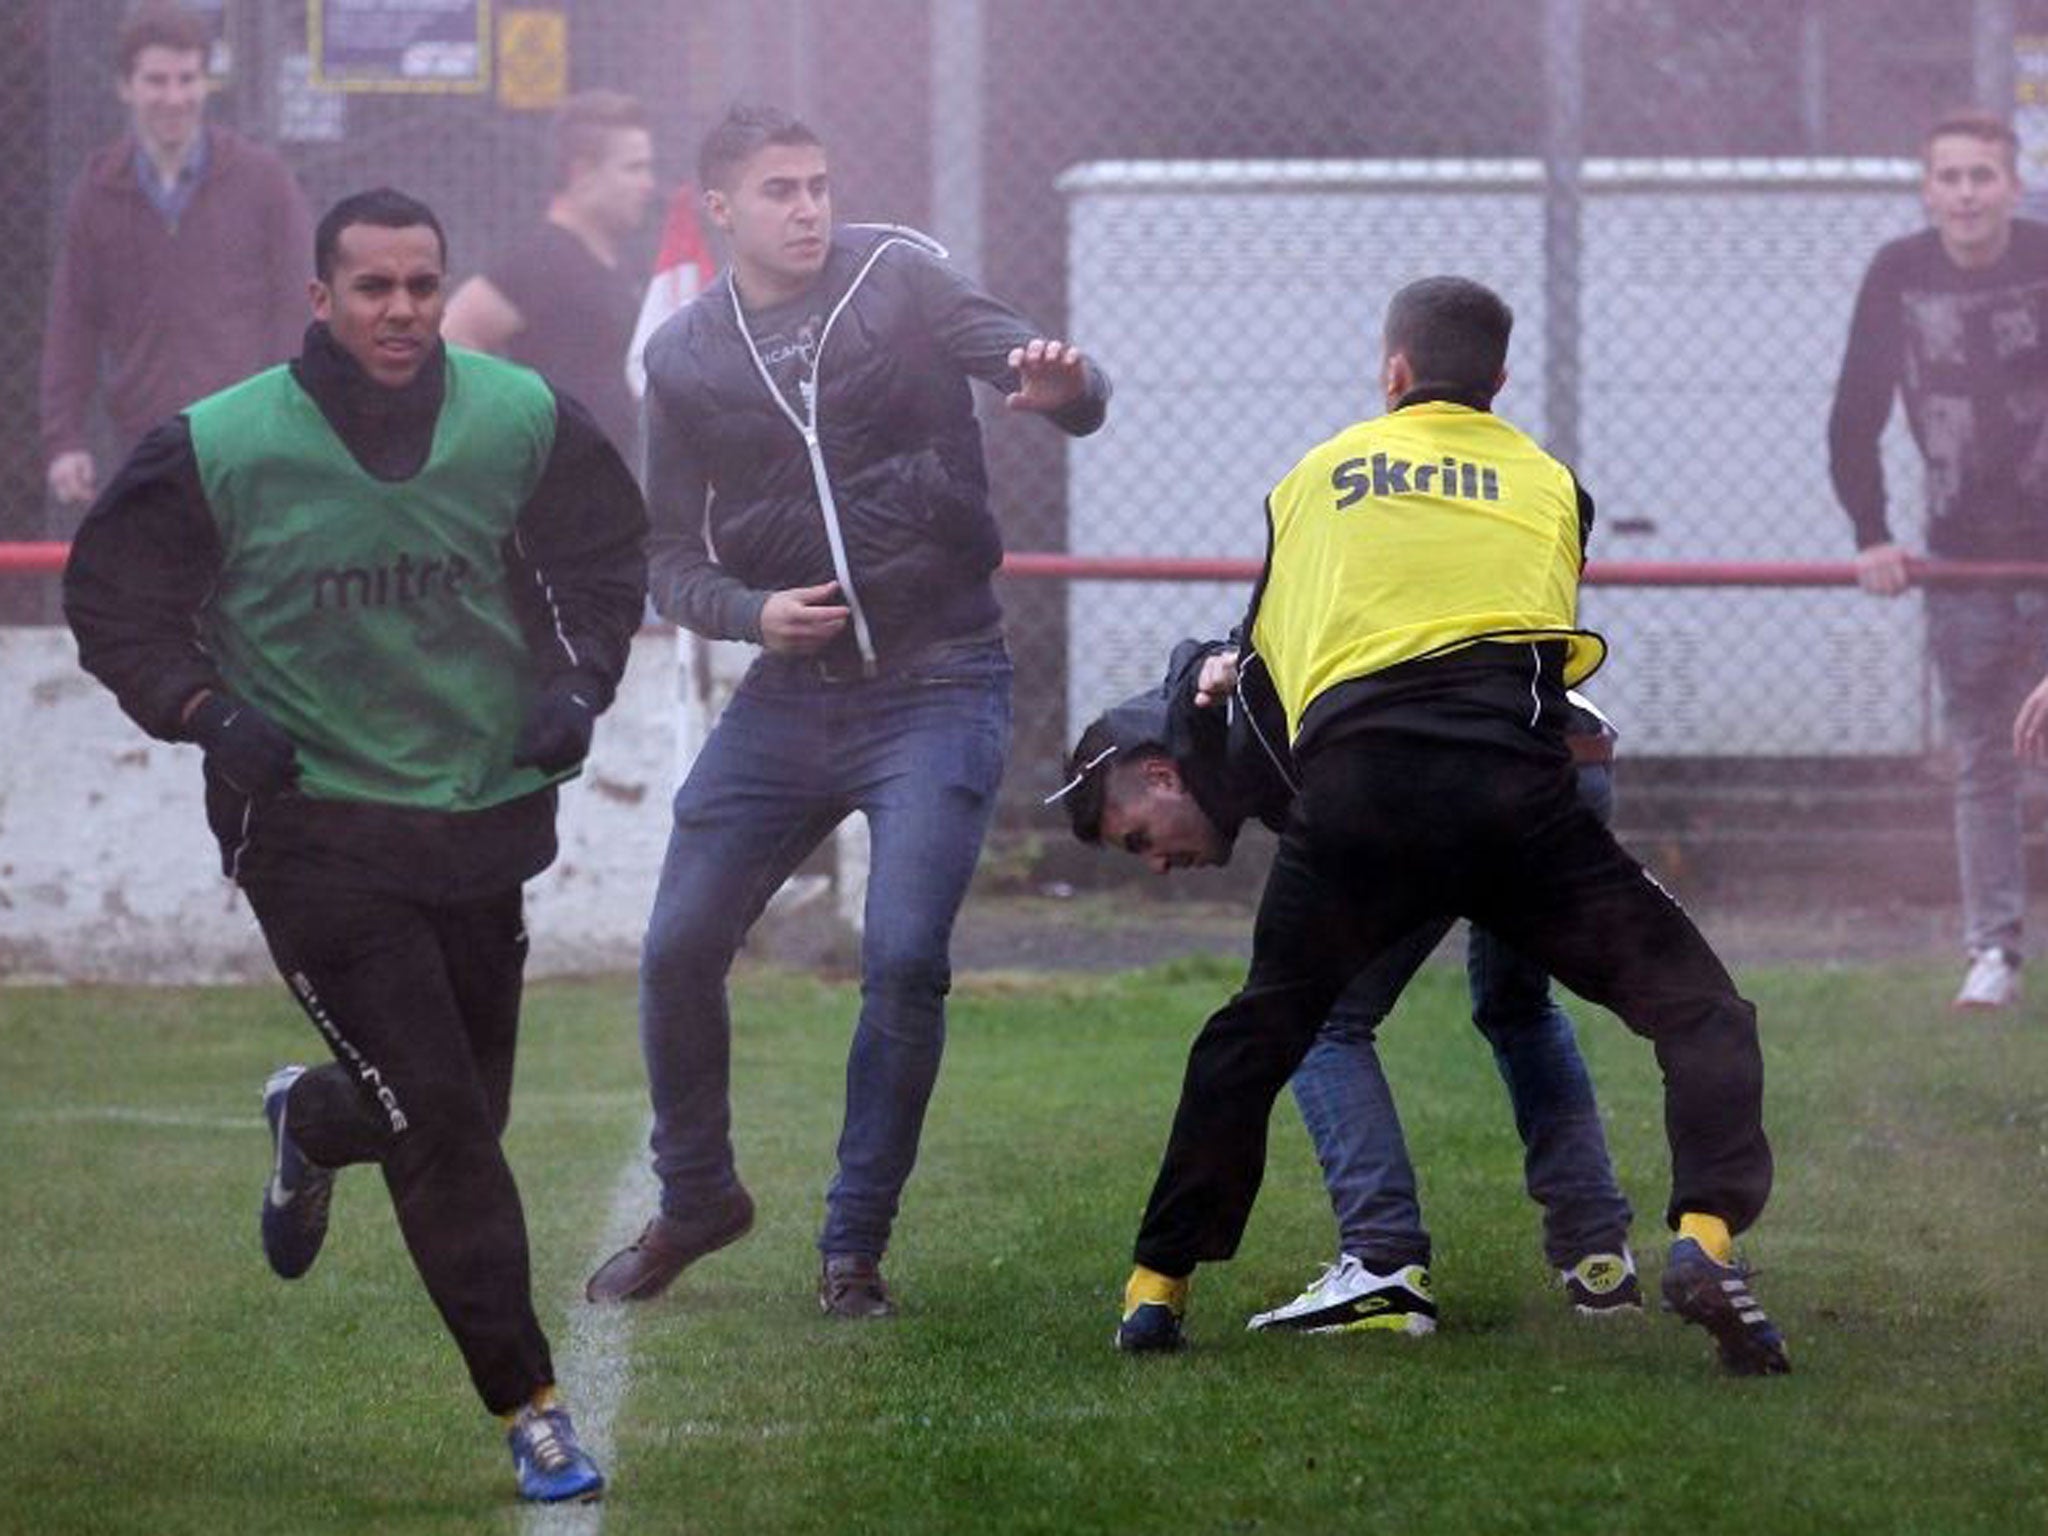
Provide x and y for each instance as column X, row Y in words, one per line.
column 1990, row 646
column 919, row 753
column 1349, row 1109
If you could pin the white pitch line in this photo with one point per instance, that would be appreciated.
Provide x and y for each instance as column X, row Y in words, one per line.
column 891, row 1426
column 592, row 1367
column 118, row 1114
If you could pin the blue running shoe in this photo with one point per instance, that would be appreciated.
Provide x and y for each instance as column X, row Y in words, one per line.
column 1717, row 1297
column 296, row 1199
column 552, row 1468
column 1151, row 1327
column 1153, row 1306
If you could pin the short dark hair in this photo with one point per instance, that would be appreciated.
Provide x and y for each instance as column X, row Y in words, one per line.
column 740, row 135
column 1454, row 333
column 384, row 207
column 583, row 124
column 1091, row 767
column 155, row 24
column 1974, row 123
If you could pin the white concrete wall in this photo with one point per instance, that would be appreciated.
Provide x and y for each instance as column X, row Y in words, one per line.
column 107, row 872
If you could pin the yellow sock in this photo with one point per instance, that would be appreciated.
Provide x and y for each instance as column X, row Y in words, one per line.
column 540, row 1402
column 1148, row 1285
column 1710, row 1232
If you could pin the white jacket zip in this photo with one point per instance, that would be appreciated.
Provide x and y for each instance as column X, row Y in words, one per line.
column 807, row 425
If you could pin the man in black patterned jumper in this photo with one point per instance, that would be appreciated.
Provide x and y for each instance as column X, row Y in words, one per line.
column 1954, row 321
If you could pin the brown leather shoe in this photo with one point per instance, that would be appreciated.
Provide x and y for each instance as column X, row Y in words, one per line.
column 852, row 1287
column 667, row 1246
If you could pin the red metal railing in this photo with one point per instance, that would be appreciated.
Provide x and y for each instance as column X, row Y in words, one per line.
column 44, row 559
column 47, row 558
column 1607, row 573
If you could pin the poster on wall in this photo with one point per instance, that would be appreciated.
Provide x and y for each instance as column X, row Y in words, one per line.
column 399, row 45
column 305, row 113
column 2030, row 119
column 533, row 57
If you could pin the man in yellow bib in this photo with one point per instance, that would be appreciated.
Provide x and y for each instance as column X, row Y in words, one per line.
column 1416, row 629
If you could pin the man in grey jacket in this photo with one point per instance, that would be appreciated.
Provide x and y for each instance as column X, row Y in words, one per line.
column 818, row 399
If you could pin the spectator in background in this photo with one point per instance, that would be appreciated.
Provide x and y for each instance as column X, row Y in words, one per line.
column 817, row 487
column 182, row 266
column 1172, row 775
column 1954, row 320
column 387, row 589
column 562, row 301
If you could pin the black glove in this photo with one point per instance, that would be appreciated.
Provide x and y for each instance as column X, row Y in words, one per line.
column 556, row 735
column 247, row 747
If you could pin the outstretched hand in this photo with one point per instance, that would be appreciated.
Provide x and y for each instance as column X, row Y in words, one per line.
column 1051, row 376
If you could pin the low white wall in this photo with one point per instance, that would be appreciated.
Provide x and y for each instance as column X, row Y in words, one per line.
column 107, row 872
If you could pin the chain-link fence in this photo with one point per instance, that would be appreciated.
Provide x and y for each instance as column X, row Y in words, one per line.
column 1215, row 198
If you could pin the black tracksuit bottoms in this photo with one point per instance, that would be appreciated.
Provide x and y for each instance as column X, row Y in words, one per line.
column 419, row 1004
column 1389, row 830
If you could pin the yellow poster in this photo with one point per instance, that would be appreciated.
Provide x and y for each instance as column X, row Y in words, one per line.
column 533, row 58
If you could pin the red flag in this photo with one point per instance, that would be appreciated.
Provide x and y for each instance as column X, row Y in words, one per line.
column 683, row 268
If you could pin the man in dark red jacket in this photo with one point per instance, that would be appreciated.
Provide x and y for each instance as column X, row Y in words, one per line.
column 182, row 267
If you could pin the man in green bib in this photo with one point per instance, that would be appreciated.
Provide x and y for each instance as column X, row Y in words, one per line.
column 387, row 588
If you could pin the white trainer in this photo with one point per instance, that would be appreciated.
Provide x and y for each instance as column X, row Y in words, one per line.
column 1993, row 980
column 1347, row 1297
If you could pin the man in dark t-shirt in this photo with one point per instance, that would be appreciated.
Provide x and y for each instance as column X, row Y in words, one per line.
column 1954, row 321
column 786, row 341
column 561, row 300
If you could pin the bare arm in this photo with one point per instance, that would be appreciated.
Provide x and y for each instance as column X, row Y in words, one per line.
column 481, row 318
column 2030, row 729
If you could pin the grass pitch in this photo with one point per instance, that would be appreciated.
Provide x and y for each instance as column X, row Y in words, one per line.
column 157, row 1379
